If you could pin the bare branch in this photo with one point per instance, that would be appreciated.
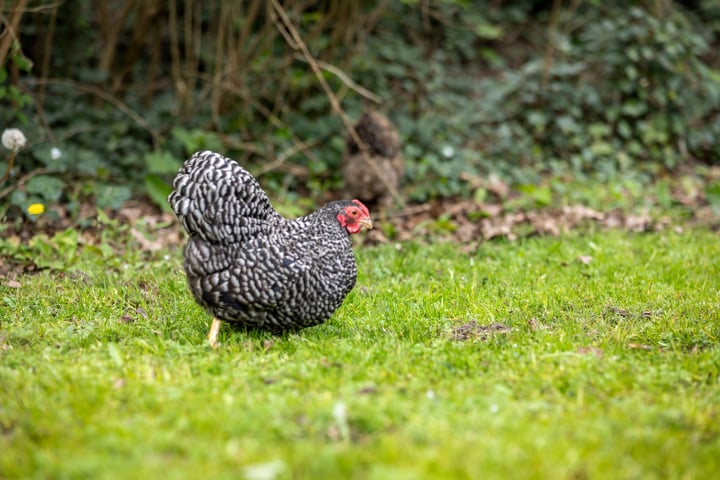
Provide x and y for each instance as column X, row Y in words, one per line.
column 156, row 136
column 296, row 148
column 7, row 39
column 299, row 43
column 22, row 181
column 343, row 77
column 299, row 145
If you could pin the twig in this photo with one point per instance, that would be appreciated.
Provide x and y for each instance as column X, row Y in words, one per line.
column 285, row 34
column 550, row 47
column 11, row 27
column 299, row 43
column 22, row 181
column 411, row 211
column 47, row 48
column 425, row 10
column 157, row 138
column 111, row 29
column 299, row 145
column 11, row 162
column 280, row 159
column 342, row 76
column 39, row 8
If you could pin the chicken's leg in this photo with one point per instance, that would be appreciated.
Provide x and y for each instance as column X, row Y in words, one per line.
column 212, row 335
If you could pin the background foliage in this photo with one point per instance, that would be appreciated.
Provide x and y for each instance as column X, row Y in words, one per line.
column 113, row 95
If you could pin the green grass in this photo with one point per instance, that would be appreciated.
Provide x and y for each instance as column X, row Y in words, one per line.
column 611, row 369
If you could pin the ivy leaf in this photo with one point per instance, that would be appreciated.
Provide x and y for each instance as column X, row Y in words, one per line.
column 712, row 194
column 488, row 31
column 111, row 196
column 162, row 162
column 45, row 186
column 195, row 139
column 541, row 195
column 158, row 191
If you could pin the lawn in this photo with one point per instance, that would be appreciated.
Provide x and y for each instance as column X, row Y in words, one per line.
column 584, row 356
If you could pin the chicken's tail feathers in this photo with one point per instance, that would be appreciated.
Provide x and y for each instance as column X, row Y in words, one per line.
column 219, row 201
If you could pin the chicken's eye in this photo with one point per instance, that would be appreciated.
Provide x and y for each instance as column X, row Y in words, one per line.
column 353, row 212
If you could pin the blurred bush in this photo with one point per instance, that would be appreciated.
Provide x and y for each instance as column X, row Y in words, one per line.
column 113, row 95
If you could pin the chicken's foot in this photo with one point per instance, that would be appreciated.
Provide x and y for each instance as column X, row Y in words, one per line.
column 212, row 335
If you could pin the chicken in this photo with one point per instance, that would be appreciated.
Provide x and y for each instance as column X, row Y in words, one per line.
column 363, row 180
column 248, row 265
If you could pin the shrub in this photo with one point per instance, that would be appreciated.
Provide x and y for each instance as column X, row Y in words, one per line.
column 514, row 88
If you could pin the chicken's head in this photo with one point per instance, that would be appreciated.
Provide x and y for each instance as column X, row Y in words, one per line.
column 355, row 217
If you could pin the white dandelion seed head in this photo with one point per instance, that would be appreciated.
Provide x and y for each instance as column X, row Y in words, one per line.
column 448, row 151
column 55, row 153
column 13, row 139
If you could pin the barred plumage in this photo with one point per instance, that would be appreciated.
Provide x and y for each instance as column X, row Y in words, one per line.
column 247, row 264
column 371, row 183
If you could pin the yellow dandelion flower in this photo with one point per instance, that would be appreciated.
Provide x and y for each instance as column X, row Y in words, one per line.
column 36, row 209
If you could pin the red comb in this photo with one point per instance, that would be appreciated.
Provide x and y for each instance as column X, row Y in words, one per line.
column 362, row 207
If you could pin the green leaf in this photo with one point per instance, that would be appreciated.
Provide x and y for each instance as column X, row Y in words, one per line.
column 162, row 162
column 488, row 31
column 54, row 157
column 86, row 161
column 599, row 130
column 567, row 124
column 195, row 140
column 49, row 188
column 541, row 195
column 634, row 108
column 158, row 191
column 111, row 196
column 712, row 194
column 480, row 195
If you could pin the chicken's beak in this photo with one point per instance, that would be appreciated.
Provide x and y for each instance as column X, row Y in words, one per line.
column 366, row 224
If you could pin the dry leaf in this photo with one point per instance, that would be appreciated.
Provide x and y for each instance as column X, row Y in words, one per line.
column 546, row 223
column 591, row 350
column 145, row 244
column 534, row 324
column 497, row 187
column 367, row 390
column 473, row 330
column 491, row 209
column 618, row 311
